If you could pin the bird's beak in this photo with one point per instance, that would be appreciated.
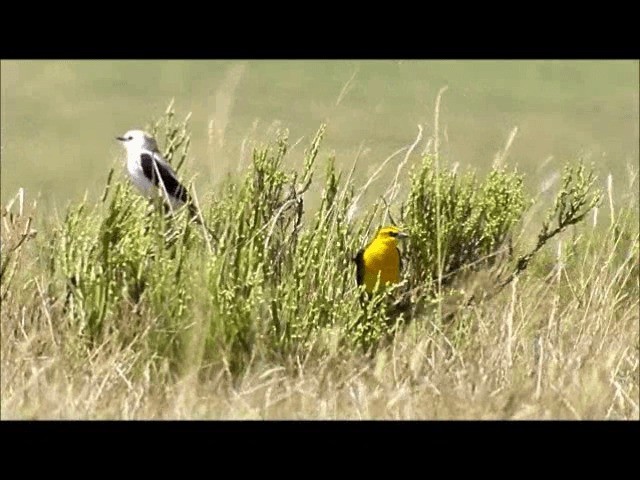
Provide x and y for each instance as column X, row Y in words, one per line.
column 122, row 139
column 402, row 235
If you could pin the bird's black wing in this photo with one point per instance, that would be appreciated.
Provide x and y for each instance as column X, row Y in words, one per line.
column 399, row 260
column 359, row 266
column 171, row 183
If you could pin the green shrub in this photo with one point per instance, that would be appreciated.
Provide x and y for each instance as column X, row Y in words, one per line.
column 274, row 282
column 457, row 222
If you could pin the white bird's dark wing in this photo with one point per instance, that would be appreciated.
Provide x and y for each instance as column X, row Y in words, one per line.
column 152, row 166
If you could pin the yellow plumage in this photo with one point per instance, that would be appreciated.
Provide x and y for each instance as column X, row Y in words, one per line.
column 380, row 258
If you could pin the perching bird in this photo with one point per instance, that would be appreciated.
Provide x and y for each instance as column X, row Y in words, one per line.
column 381, row 257
column 148, row 171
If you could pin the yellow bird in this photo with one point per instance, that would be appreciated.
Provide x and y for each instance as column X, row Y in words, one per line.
column 380, row 257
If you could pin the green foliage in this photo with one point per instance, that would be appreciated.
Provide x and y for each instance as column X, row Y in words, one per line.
column 177, row 138
column 574, row 200
column 470, row 221
column 458, row 224
column 122, row 257
column 273, row 282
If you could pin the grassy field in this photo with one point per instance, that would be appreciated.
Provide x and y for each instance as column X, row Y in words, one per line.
column 59, row 117
column 114, row 311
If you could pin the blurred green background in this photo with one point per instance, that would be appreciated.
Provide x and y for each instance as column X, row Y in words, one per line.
column 59, row 118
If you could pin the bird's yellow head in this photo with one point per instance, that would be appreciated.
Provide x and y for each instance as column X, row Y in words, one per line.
column 390, row 235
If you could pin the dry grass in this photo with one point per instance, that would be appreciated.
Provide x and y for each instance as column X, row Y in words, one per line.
column 563, row 345
column 532, row 355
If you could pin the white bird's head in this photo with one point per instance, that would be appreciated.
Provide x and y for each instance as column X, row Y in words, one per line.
column 138, row 140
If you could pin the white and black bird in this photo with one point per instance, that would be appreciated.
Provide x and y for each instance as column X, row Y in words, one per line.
column 148, row 171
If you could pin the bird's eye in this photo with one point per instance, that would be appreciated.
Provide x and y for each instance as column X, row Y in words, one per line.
column 130, row 138
column 393, row 234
